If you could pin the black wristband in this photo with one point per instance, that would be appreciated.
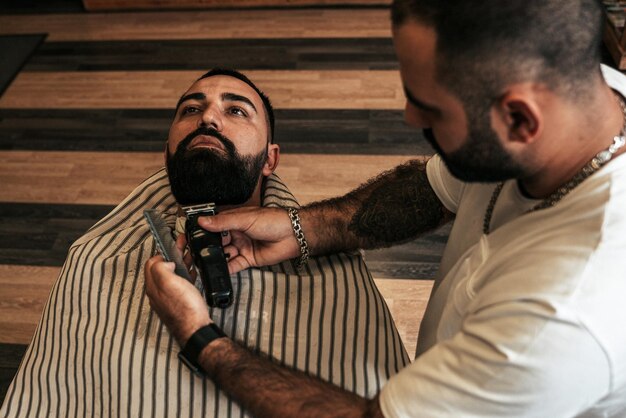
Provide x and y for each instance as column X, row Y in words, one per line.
column 196, row 343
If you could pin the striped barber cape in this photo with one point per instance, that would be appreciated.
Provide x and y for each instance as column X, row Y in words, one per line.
column 100, row 351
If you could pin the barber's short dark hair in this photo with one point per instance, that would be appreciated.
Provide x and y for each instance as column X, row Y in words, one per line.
column 269, row 110
column 484, row 45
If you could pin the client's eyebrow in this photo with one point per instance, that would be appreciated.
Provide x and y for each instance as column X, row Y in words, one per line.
column 418, row 103
column 190, row 96
column 232, row 97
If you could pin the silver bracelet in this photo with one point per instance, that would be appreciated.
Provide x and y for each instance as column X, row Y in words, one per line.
column 297, row 230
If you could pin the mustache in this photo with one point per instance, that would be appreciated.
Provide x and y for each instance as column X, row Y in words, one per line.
column 203, row 130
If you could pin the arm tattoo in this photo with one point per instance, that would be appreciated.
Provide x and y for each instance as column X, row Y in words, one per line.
column 394, row 207
column 398, row 208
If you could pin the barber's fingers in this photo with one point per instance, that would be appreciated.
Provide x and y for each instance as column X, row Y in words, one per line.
column 264, row 224
column 226, row 238
column 162, row 282
column 188, row 260
column 224, row 221
column 238, row 263
column 240, row 253
column 152, row 261
column 181, row 242
column 155, row 270
column 181, row 245
column 231, row 251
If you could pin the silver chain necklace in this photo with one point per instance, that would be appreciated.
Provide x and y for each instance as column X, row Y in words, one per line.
column 591, row 167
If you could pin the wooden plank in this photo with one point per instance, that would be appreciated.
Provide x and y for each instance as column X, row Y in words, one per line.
column 99, row 178
column 107, row 177
column 407, row 300
column 203, row 24
column 23, row 293
column 98, row 5
column 161, row 89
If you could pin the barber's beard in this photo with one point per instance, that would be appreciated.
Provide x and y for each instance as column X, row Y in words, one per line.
column 481, row 158
column 205, row 175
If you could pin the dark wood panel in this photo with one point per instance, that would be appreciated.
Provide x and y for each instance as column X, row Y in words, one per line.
column 41, row 234
column 203, row 54
column 10, row 358
column 333, row 131
column 418, row 259
column 14, row 53
column 97, row 5
column 31, row 7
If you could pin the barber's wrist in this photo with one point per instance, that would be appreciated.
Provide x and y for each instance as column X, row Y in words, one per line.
column 197, row 342
column 303, row 245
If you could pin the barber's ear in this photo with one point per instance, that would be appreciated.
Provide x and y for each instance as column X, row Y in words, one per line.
column 516, row 117
column 273, row 156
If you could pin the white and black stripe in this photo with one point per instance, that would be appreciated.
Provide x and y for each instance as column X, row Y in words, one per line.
column 100, row 351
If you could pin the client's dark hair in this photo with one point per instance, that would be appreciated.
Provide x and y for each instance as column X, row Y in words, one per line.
column 269, row 110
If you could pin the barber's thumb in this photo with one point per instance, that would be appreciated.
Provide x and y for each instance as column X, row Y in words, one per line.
column 165, row 267
column 210, row 223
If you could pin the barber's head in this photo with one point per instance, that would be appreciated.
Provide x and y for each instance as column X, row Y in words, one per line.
column 480, row 75
column 220, row 143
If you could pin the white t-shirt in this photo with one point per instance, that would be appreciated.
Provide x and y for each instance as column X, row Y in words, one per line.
column 528, row 320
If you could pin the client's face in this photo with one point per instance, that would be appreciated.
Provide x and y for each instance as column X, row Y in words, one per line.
column 217, row 145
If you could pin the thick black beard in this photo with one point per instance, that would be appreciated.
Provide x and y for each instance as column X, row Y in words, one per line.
column 207, row 176
column 481, row 158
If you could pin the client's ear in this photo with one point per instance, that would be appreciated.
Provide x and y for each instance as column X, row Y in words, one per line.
column 273, row 156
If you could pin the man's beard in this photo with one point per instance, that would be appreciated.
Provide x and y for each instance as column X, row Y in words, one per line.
column 481, row 158
column 206, row 176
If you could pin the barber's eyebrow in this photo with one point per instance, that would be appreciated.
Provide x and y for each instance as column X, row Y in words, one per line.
column 418, row 103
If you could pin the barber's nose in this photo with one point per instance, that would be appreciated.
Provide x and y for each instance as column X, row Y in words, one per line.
column 413, row 117
column 212, row 118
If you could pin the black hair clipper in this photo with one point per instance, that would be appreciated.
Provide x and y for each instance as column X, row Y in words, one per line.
column 208, row 257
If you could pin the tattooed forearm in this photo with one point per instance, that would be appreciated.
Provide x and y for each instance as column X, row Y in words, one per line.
column 394, row 207
column 399, row 208
column 266, row 389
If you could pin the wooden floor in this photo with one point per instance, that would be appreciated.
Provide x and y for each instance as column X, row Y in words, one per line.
column 86, row 118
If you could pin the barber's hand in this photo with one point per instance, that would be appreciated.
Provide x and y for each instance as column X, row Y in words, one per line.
column 257, row 236
column 181, row 244
column 176, row 301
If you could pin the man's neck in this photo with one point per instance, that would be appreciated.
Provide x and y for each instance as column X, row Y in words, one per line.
column 583, row 134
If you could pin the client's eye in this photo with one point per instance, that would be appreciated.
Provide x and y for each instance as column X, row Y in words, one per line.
column 190, row 109
column 236, row 110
